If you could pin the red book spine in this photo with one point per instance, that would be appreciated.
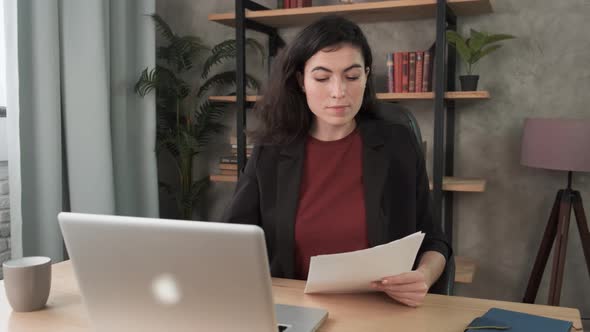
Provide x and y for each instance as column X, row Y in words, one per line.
column 299, row 3
column 406, row 72
column 390, row 73
column 419, row 70
column 412, row 79
column 397, row 72
column 427, row 72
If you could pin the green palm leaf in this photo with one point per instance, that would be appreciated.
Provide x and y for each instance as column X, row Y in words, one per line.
column 198, row 189
column 206, row 134
column 209, row 110
column 185, row 50
column 496, row 38
column 181, row 53
column 460, row 44
column 147, row 82
column 224, row 79
column 485, row 52
column 190, row 144
column 163, row 28
column 167, row 141
column 163, row 80
column 165, row 120
column 206, row 122
column 188, row 199
column 228, row 50
column 477, row 40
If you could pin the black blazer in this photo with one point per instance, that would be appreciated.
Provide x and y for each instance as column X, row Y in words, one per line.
column 397, row 195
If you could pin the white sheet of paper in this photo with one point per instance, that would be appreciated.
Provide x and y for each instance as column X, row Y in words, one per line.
column 353, row 271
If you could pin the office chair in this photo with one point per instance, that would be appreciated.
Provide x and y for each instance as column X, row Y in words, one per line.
column 396, row 114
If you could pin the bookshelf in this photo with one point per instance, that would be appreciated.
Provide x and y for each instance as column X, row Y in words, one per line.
column 368, row 12
column 250, row 15
column 473, row 185
column 449, row 95
column 455, row 95
column 223, row 178
column 464, row 269
column 449, row 183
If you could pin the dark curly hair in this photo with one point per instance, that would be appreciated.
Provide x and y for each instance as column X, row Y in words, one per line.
column 283, row 111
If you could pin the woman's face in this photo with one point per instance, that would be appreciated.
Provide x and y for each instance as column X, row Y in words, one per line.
column 334, row 82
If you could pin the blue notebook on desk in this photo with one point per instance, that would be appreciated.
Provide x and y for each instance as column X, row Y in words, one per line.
column 496, row 320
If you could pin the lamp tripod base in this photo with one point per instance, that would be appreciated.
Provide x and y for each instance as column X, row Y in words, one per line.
column 557, row 231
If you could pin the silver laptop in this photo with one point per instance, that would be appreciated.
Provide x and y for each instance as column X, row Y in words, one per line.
column 141, row 274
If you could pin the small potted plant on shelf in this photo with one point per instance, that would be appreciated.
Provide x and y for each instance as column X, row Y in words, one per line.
column 471, row 50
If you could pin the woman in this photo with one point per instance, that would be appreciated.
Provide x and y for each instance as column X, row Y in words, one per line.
column 327, row 175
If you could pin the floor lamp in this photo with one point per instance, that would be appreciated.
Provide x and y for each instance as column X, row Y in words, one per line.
column 558, row 144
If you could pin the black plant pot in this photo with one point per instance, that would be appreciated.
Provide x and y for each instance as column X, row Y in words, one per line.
column 469, row 82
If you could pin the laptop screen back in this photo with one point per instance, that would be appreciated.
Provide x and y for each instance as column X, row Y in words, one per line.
column 141, row 274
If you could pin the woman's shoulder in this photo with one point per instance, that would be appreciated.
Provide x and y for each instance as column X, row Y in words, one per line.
column 270, row 151
column 396, row 136
column 386, row 129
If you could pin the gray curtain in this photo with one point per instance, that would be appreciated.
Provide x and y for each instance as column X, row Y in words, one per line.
column 86, row 140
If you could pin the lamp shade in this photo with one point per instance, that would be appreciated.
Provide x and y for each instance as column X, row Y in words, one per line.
column 559, row 144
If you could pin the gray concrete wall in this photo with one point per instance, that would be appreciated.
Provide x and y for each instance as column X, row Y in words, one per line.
column 543, row 73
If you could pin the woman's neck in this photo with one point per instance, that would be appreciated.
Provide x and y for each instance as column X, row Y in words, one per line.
column 325, row 132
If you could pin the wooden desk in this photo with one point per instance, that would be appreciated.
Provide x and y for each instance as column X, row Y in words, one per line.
column 348, row 312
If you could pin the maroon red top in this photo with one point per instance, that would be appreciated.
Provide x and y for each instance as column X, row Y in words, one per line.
column 331, row 211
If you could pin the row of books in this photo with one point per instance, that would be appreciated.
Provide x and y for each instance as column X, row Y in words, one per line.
column 228, row 169
column 293, row 3
column 228, row 165
column 233, row 141
column 410, row 71
column 234, row 149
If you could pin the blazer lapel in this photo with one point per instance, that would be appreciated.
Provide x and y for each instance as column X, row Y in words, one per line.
column 375, row 166
column 289, row 173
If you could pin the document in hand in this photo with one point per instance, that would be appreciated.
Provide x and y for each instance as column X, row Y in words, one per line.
column 354, row 271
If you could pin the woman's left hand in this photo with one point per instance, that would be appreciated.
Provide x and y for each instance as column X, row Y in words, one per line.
column 409, row 288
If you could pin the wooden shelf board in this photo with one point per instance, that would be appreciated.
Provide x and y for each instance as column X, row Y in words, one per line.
column 223, row 178
column 231, row 99
column 430, row 95
column 453, row 183
column 449, row 183
column 464, row 269
column 456, row 95
column 367, row 12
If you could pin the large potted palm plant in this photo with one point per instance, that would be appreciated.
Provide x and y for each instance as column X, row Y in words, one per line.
column 186, row 119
